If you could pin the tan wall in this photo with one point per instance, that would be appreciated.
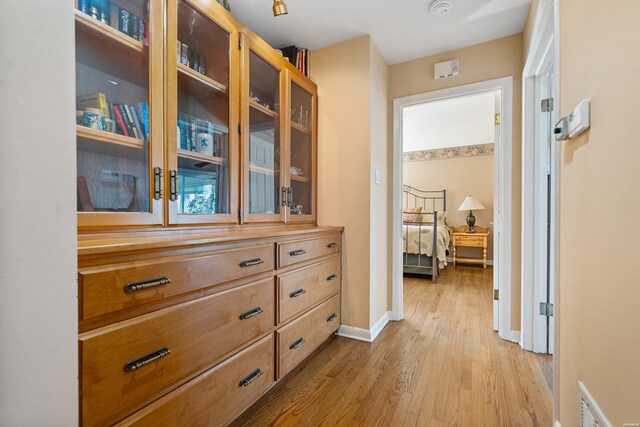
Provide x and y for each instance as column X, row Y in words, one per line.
column 379, row 235
column 342, row 73
column 598, row 311
column 486, row 61
column 460, row 177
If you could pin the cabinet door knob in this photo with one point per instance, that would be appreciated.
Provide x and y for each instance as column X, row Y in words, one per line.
column 250, row 378
column 296, row 294
column 253, row 312
column 297, row 343
column 250, row 262
column 146, row 284
column 143, row 361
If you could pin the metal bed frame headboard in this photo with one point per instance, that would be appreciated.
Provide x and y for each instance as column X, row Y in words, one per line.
column 430, row 201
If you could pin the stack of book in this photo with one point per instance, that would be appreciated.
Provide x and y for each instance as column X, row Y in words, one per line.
column 191, row 58
column 190, row 127
column 298, row 57
column 116, row 16
column 130, row 120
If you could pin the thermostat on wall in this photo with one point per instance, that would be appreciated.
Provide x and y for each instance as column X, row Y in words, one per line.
column 579, row 119
column 444, row 70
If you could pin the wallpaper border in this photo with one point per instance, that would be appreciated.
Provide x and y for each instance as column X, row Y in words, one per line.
column 450, row 153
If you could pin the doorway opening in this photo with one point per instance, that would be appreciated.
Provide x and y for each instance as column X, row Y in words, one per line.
column 500, row 91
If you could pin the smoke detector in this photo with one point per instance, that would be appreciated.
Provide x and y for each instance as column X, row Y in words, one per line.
column 440, row 7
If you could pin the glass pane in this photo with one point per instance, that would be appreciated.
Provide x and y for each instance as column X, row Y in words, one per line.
column 112, row 106
column 301, row 150
column 264, row 137
column 203, row 114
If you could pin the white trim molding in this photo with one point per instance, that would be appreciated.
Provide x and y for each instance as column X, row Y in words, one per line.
column 515, row 337
column 502, row 193
column 366, row 335
column 557, row 424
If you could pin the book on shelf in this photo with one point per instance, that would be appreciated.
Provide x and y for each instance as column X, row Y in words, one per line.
column 298, row 57
column 190, row 126
column 96, row 100
column 113, row 14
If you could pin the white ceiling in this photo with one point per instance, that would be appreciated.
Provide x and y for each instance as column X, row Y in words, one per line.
column 402, row 29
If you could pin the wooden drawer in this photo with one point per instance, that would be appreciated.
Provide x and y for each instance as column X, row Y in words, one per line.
column 299, row 338
column 290, row 253
column 304, row 288
column 474, row 241
column 194, row 335
column 116, row 287
column 216, row 397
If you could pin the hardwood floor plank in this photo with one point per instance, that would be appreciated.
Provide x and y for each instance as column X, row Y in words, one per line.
column 442, row 365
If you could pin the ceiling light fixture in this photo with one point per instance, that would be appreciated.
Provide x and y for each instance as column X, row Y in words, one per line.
column 440, row 7
column 279, row 8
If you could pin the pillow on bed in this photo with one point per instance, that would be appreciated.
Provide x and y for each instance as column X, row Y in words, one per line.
column 427, row 218
column 411, row 215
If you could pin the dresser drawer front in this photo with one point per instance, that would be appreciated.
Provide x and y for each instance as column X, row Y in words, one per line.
column 301, row 337
column 112, row 288
column 216, row 397
column 304, row 288
column 290, row 253
column 132, row 362
column 475, row 241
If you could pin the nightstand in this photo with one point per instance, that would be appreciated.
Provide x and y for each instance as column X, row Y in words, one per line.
column 479, row 239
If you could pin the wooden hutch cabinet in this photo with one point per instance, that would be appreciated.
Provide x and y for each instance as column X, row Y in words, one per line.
column 203, row 278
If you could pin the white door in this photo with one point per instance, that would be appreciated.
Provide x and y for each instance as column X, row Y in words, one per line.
column 543, row 198
column 497, row 214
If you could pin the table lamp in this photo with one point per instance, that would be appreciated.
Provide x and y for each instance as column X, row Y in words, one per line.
column 470, row 204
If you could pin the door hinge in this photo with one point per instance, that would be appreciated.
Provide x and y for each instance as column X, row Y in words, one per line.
column 547, row 105
column 239, row 213
column 239, row 43
column 239, row 128
column 546, row 309
column 498, row 119
column 496, row 294
column 157, row 183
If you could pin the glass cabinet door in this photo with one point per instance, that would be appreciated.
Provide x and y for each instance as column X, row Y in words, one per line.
column 202, row 145
column 119, row 112
column 301, row 151
column 262, row 138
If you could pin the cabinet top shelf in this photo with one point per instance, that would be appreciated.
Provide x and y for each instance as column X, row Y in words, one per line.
column 186, row 154
column 109, row 33
column 299, row 127
column 263, row 109
column 201, row 78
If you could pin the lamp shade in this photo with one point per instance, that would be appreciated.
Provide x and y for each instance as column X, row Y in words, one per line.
column 471, row 204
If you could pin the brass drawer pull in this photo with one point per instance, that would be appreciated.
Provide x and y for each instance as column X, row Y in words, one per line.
column 249, row 314
column 297, row 252
column 332, row 277
column 296, row 294
column 142, row 361
column 146, row 284
column 251, row 262
column 332, row 245
column 333, row 316
column 250, row 378
column 297, row 343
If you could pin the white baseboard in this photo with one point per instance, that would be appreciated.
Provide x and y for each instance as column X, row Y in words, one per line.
column 557, row 424
column 366, row 335
column 514, row 336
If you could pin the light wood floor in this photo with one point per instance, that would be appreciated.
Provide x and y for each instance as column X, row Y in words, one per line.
column 441, row 366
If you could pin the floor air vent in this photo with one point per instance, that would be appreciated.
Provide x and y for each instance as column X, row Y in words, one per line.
column 590, row 413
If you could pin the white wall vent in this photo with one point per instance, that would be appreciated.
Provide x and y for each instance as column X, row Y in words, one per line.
column 590, row 413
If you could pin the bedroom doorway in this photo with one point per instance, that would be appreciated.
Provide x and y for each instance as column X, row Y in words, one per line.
column 499, row 94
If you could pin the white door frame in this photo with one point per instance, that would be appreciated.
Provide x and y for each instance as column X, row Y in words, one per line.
column 502, row 195
column 543, row 52
column 545, row 35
